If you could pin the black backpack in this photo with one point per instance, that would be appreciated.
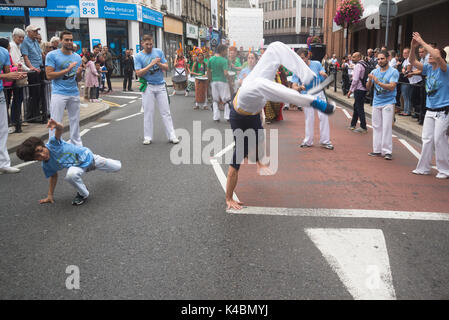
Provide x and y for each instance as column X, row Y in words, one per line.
column 368, row 69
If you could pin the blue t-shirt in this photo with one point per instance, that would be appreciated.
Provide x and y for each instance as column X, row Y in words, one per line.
column 65, row 85
column 316, row 67
column 383, row 97
column 4, row 61
column 65, row 155
column 437, row 87
column 32, row 49
column 154, row 75
column 244, row 73
column 103, row 75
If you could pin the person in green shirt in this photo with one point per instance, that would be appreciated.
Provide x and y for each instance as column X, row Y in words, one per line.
column 199, row 69
column 217, row 72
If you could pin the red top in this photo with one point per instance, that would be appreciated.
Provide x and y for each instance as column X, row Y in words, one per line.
column 180, row 64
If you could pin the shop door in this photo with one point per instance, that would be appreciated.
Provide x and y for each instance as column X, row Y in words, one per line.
column 117, row 35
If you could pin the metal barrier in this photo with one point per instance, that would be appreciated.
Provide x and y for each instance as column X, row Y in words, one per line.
column 35, row 104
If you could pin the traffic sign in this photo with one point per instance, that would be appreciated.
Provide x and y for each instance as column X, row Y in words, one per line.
column 383, row 8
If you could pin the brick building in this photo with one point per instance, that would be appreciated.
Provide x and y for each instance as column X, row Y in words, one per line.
column 430, row 18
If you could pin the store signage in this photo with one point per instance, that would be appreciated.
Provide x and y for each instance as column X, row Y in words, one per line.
column 192, row 31
column 24, row 3
column 88, row 8
column 152, row 17
column 118, row 10
column 66, row 8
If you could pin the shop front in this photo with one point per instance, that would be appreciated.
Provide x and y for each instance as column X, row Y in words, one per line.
column 191, row 37
column 173, row 31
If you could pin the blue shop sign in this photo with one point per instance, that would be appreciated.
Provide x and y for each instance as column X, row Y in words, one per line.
column 152, row 17
column 117, row 10
column 12, row 11
column 57, row 8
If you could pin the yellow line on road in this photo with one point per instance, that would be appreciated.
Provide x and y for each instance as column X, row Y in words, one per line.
column 112, row 104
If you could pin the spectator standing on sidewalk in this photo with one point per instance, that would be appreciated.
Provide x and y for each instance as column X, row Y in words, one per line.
column 149, row 64
column 309, row 111
column 5, row 162
column 91, row 79
column 63, row 67
column 128, row 69
column 385, row 80
column 16, row 107
column 436, row 123
column 358, row 88
column 33, row 58
column 109, row 65
column 406, row 88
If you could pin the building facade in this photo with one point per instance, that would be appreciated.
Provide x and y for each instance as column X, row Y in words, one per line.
column 292, row 21
column 430, row 18
column 119, row 25
column 245, row 25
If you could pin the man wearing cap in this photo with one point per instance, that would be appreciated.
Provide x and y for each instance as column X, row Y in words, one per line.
column 33, row 58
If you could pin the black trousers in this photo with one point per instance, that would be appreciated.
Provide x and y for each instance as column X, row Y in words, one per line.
column 15, row 106
column 359, row 109
column 128, row 79
column 108, row 78
column 36, row 108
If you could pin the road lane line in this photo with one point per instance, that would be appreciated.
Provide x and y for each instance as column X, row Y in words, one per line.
column 410, row 148
column 101, row 125
column 133, row 115
column 343, row 213
column 221, row 176
column 346, row 113
column 225, row 150
column 122, row 97
column 365, row 271
column 132, row 101
column 82, row 133
column 24, row 164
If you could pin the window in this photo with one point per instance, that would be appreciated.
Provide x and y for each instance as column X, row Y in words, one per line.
column 294, row 3
column 309, row 22
column 303, row 3
column 294, row 22
column 303, row 22
column 320, row 22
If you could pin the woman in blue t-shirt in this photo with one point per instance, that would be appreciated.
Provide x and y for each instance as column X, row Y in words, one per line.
column 436, row 123
column 252, row 61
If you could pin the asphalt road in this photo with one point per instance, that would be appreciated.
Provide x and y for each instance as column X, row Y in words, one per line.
column 156, row 230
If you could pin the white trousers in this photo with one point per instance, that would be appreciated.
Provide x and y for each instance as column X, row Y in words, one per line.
column 152, row 95
column 72, row 103
column 309, row 113
column 74, row 174
column 4, row 156
column 434, row 138
column 259, row 86
column 382, row 120
column 220, row 91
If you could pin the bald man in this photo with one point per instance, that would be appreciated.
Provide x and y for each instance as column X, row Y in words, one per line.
column 359, row 90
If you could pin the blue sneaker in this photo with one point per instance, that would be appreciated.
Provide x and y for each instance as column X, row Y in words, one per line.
column 323, row 106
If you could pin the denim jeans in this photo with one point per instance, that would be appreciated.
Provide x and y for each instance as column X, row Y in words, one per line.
column 359, row 109
column 406, row 90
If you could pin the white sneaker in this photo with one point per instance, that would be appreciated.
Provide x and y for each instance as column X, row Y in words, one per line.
column 420, row 173
column 441, row 176
column 174, row 140
column 146, row 141
column 11, row 130
column 9, row 170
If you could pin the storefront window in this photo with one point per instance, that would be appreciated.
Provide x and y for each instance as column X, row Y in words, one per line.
column 171, row 45
column 56, row 25
column 145, row 28
column 7, row 25
column 117, row 35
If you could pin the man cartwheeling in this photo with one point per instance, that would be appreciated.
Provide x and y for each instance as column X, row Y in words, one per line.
column 258, row 88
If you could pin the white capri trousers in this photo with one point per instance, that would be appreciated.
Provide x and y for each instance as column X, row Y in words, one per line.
column 58, row 104
column 4, row 156
column 382, row 120
column 259, row 86
column 220, row 91
column 74, row 174
column 152, row 95
column 434, row 138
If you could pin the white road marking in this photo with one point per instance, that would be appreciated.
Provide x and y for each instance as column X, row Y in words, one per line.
column 24, row 164
column 82, row 133
column 410, row 148
column 360, row 259
column 344, row 213
column 123, row 105
column 132, row 101
column 221, row 176
column 369, row 126
column 225, row 150
column 101, row 125
column 122, row 97
column 133, row 115
column 346, row 113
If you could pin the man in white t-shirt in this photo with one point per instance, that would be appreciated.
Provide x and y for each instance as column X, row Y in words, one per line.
column 414, row 77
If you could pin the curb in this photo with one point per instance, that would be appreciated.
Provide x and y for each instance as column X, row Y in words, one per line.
column 407, row 133
column 106, row 109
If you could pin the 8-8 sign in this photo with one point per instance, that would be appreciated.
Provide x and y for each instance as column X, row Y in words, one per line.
column 88, row 9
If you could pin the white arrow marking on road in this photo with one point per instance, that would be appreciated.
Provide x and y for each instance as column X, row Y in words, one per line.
column 360, row 259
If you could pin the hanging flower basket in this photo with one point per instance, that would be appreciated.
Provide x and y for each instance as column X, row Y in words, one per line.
column 314, row 39
column 348, row 13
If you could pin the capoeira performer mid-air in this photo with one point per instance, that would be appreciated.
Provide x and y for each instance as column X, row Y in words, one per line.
column 258, row 88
